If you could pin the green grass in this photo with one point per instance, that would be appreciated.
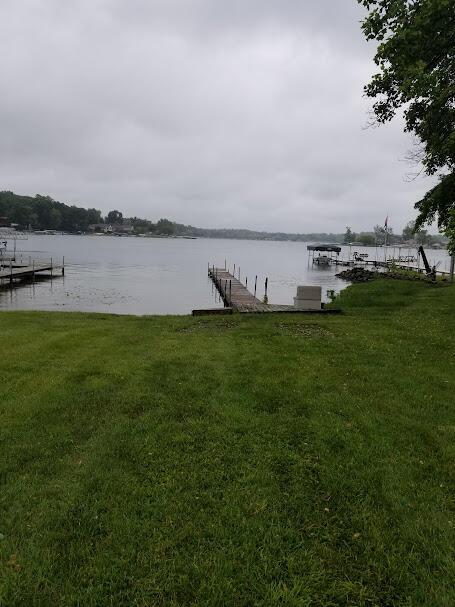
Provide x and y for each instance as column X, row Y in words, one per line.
column 244, row 460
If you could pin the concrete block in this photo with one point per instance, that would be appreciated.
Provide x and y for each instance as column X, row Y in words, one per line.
column 307, row 304
column 307, row 292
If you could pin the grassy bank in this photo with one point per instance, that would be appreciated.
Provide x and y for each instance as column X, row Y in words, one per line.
column 264, row 460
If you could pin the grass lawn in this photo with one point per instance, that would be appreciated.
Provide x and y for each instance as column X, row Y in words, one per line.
column 247, row 460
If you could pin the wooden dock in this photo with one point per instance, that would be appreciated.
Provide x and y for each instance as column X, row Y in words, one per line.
column 15, row 271
column 234, row 294
column 237, row 298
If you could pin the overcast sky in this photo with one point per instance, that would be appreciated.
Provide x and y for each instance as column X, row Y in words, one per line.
column 218, row 113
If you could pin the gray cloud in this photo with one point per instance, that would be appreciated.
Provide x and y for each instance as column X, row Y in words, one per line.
column 236, row 114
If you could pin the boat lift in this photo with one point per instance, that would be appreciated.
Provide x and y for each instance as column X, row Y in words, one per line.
column 8, row 234
column 328, row 253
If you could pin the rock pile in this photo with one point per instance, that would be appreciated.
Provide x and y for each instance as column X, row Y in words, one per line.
column 363, row 275
column 357, row 275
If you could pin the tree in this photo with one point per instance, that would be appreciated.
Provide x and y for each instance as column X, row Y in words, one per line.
column 416, row 59
column 422, row 237
column 408, row 230
column 33, row 221
column 411, row 232
column 367, row 239
column 382, row 234
column 93, row 216
column 114, row 217
column 164, row 226
column 54, row 219
column 349, row 235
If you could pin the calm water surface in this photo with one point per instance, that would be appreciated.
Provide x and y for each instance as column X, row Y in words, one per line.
column 167, row 276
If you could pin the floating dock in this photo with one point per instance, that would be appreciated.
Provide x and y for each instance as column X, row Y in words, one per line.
column 237, row 298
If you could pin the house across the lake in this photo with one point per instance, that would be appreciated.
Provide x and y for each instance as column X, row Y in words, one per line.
column 114, row 228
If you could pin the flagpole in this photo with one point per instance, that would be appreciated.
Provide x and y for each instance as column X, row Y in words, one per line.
column 385, row 237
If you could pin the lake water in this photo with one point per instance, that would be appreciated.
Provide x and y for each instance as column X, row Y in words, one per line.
column 168, row 275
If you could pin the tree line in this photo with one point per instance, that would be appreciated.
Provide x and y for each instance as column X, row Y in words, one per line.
column 381, row 235
column 44, row 213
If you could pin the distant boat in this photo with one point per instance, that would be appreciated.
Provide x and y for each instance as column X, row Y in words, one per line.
column 190, row 237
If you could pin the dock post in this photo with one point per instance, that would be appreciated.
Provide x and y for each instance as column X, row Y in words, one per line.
column 51, row 267
column 63, row 266
column 233, row 271
column 246, row 282
column 230, row 292
column 239, row 272
column 224, row 264
column 266, row 284
column 255, row 285
column 11, row 272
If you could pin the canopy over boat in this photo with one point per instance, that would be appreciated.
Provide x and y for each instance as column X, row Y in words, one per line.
column 331, row 248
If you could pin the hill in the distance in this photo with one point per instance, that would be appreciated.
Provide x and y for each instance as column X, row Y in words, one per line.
column 44, row 213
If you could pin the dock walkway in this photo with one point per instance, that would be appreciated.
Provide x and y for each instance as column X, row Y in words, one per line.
column 234, row 294
column 19, row 272
column 237, row 298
